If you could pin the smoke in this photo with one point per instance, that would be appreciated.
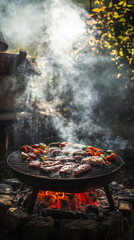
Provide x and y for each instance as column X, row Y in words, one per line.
column 70, row 72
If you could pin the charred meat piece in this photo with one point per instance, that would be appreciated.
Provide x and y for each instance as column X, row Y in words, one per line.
column 81, row 169
column 94, row 160
column 65, row 159
column 35, row 164
column 66, row 168
column 50, row 163
column 51, row 169
column 72, row 163
column 56, row 152
column 51, row 159
column 51, row 149
column 78, row 157
column 82, row 153
column 65, row 152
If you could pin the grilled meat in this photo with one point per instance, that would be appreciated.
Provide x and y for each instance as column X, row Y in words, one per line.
column 51, row 149
column 94, row 160
column 66, row 168
column 51, row 169
column 82, row 153
column 56, row 152
column 35, row 164
column 81, row 169
column 50, row 163
column 78, row 157
column 51, row 159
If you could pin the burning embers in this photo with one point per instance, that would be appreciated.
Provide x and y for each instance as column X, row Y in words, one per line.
column 67, row 201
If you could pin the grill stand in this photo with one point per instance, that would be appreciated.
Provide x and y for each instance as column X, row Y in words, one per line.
column 35, row 193
column 110, row 198
column 33, row 200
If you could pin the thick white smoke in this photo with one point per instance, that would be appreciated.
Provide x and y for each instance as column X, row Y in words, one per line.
column 58, row 29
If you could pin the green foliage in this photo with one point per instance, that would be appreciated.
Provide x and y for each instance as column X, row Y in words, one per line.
column 114, row 20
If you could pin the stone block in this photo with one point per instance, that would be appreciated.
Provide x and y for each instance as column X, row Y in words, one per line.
column 79, row 229
column 15, row 183
column 5, row 204
column 5, row 189
column 14, row 218
column 127, row 211
column 38, row 228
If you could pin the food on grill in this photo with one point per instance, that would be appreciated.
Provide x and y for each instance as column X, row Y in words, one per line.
column 94, row 160
column 92, row 151
column 78, row 157
column 42, row 146
column 53, row 148
column 51, row 159
column 81, row 169
column 51, row 169
column 44, row 158
column 82, row 153
column 36, row 151
column 50, row 163
column 24, row 155
column 35, row 164
column 112, row 158
column 67, row 168
column 66, row 158
column 56, row 152
column 64, row 144
column 32, row 155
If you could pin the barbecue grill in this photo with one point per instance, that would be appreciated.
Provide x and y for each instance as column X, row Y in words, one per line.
column 38, row 180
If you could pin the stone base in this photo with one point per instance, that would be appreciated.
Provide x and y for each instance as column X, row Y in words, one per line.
column 99, row 224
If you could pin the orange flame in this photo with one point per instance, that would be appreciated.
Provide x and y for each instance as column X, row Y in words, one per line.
column 72, row 201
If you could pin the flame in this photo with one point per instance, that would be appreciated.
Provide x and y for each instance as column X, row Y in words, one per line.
column 71, row 201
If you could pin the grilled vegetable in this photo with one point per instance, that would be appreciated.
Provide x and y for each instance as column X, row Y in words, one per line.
column 43, row 151
column 111, row 158
column 43, row 146
column 29, row 148
column 54, row 144
column 90, row 152
column 24, row 149
column 36, row 151
column 32, row 155
column 24, row 155
column 35, row 145
column 110, row 151
column 103, row 156
column 44, row 158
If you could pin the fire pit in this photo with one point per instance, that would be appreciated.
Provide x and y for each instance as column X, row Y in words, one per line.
column 38, row 181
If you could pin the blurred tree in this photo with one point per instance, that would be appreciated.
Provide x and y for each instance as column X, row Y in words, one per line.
column 115, row 36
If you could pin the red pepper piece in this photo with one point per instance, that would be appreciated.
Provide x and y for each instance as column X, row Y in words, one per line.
column 98, row 153
column 24, row 149
column 32, row 155
column 36, row 151
column 35, row 146
column 108, row 163
column 63, row 144
column 89, row 148
column 43, row 151
column 112, row 157
column 90, row 153
column 29, row 148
